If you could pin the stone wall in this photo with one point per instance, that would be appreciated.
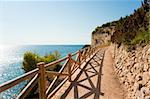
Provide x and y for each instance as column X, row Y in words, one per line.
column 133, row 71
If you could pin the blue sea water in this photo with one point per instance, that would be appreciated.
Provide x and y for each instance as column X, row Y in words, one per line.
column 11, row 58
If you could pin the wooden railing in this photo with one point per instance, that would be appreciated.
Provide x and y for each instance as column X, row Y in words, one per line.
column 70, row 64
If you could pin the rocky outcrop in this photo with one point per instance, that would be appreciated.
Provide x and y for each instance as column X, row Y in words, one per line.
column 133, row 71
column 102, row 35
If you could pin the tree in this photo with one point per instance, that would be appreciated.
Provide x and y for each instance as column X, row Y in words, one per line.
column 30, row 60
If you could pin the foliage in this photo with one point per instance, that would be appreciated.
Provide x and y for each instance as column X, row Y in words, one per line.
column 96, row 30
column 143, row 37
column 30, row 60
column 106, row 25
column 133, row 29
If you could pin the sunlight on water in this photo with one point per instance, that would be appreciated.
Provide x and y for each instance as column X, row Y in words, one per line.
column 11, row 58
column 7, row 54
column 9, row 68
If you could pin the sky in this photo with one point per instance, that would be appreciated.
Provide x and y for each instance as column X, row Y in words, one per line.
column 57, row 22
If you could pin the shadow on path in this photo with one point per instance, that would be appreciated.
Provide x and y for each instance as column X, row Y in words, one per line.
column 92, row 69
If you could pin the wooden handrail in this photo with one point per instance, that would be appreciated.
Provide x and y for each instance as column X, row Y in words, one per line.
column 17, row 80
column 67, row 78
column 71, row 60
column 74, row 65
column 50, row 88
column 49, row 73
column 55, row 62
column 28, row 87
column 41, row 73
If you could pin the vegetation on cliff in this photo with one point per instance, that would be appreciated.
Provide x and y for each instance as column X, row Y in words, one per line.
column 134, row 29
column 131, row 30
column 30, row 60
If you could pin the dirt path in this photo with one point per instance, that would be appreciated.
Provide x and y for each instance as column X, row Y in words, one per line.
column 109, row 84
column 95, row 80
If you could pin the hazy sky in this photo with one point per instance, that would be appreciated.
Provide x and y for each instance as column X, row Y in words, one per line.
column 58, row 22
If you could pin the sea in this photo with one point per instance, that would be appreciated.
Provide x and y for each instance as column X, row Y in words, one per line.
column 11, row 58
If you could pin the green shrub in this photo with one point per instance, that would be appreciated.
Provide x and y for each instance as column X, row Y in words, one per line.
column 31, row 59
column 106, row 25
column 143, row 37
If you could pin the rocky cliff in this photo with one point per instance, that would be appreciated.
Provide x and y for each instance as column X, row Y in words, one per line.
column 130, row 30
column 102, row 35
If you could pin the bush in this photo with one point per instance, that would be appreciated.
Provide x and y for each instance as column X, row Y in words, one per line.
column 31, row 59
column 143, row 37
column 106, row 25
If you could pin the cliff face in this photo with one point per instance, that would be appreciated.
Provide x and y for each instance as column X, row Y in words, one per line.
column 102, row 35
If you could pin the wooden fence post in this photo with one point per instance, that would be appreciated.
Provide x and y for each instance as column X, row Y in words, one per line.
column 92, row 51
column 89, row 53
column 85, row 55
column 42, row 80
column 83, row 52
column 69, row 67
column 79, row 58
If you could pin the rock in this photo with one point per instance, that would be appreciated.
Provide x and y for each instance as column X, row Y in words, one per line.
column 138, row 68
column 122, row 79
column 138, row 77
column 147, row 97
column 130, row 78
column 148, row 84
column 133, row 58
column 126, row 85
column 137, row 86
column 148, row 58
column 146, row 67
column 146, row 78
column 136, row 60
column 137, row 94
column 148, row 50
column 145, row 91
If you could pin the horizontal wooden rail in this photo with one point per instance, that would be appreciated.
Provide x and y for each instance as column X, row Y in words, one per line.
column 71, row 60
column 25, row 92
column 49, row 73
column 55, row 62
column 17, row 80
column 74, row 54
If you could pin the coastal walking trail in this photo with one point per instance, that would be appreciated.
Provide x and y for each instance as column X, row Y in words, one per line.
column 95, row 80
